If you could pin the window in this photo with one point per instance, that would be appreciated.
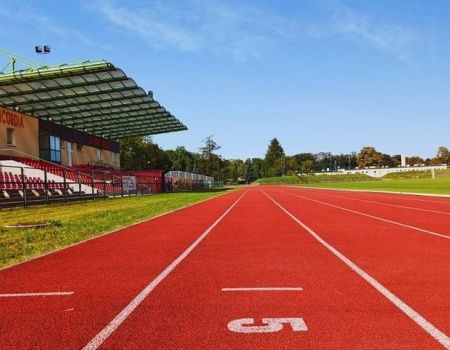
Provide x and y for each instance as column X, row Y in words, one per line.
column 55, row 149
column 10, row 137
column 99, row 154
column 113, row 157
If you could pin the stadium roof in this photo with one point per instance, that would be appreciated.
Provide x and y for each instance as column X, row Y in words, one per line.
column 92, row 96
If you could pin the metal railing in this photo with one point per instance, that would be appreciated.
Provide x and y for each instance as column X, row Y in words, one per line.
column 184, row 181
column 23, row 186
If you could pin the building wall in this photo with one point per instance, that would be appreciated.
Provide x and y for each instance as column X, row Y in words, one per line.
column 88, row 154
column 380, row 172
column 26, row 135
column 25, row 132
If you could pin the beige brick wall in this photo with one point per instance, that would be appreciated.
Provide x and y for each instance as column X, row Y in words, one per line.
column 26, row 131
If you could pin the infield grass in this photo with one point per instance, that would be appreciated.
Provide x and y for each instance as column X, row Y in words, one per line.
column 311, row 179
column 75, row 222
column 408, row 182
column 436, row 186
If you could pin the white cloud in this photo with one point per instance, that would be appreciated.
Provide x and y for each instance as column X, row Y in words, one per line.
column 401, row 42
column 242, row 31
column 25, row 13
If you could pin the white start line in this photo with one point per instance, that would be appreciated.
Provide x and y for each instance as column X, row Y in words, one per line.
column 263, row 289
column 43, row 294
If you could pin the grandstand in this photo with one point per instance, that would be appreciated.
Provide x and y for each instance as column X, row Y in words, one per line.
column 59, row 132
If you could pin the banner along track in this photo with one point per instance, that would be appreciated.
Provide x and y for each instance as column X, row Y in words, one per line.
column 265, row 267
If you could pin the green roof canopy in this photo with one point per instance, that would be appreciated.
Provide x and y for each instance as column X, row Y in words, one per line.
column 92, row 96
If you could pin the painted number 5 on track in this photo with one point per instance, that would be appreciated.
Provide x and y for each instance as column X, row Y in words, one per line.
column 247, row 325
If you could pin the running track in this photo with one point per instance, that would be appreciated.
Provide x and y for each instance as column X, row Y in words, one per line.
column 349, row 270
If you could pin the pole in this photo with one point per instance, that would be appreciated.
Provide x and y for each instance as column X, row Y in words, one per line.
column 24, row 186
column 65, row 186
column 46, row 186
column 79, row 184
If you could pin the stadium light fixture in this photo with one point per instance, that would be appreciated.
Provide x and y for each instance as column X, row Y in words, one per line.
column 42, row 49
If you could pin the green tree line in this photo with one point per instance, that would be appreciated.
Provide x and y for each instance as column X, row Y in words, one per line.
column 141, row 153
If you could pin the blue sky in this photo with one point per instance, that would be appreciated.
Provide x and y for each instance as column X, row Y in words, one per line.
column 320, row 75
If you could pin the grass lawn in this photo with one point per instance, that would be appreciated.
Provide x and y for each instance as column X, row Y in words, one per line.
column 76, row 222
column 436, row 186
column 410, row 181
column 311, row 179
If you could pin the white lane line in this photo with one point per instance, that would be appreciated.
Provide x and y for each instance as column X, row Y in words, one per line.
column 406, row 196
column 403, row 197
column 263, row 289
column 389, row 204
column 373, row 216
column 123, row 315
column 427, row 326
column 44, row 294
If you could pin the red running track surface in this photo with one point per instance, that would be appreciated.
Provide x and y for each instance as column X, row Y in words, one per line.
column 256, row 244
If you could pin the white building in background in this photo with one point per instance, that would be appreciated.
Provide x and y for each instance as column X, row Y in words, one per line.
column 403, row 160
column 380, row 172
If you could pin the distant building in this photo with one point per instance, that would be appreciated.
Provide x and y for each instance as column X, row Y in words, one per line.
column 380, row 172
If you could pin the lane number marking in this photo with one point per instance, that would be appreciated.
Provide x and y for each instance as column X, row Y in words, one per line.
column 271, row 325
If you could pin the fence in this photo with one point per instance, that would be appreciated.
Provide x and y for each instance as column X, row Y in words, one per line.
column 183, row 181
column 23, row 186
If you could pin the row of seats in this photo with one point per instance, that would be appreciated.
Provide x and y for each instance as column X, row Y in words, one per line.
column 10, row 181
column 72, row 175
column 102, row 179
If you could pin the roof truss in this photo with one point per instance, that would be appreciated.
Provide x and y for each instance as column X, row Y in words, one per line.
column 94, row 97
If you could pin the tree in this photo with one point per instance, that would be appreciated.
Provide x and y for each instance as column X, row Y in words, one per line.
column 181, row 159
column 140, row 153
column 249, row 174
column 210, row 163
column 443, row 155
column 395, row 160
column 323, row 161
column 258, row 167
column 274, row 159
column 307, row 166
column 369, row 156
column 234, row 169
column 291, row 165
column 207, row 151
column 414, row 160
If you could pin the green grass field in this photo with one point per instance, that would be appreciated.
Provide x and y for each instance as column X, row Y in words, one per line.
column 437, row 186
column 411, row 181
column 75, row 222
column 313, row 179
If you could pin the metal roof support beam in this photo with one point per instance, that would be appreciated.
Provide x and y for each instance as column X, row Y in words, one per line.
column 106, row 112
column 36, row 91
column 101, row 129
column 151, row 119
column 32, row 107
column 112, row 105
column 91, row 96
column 143, row 132
column 139, row 92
